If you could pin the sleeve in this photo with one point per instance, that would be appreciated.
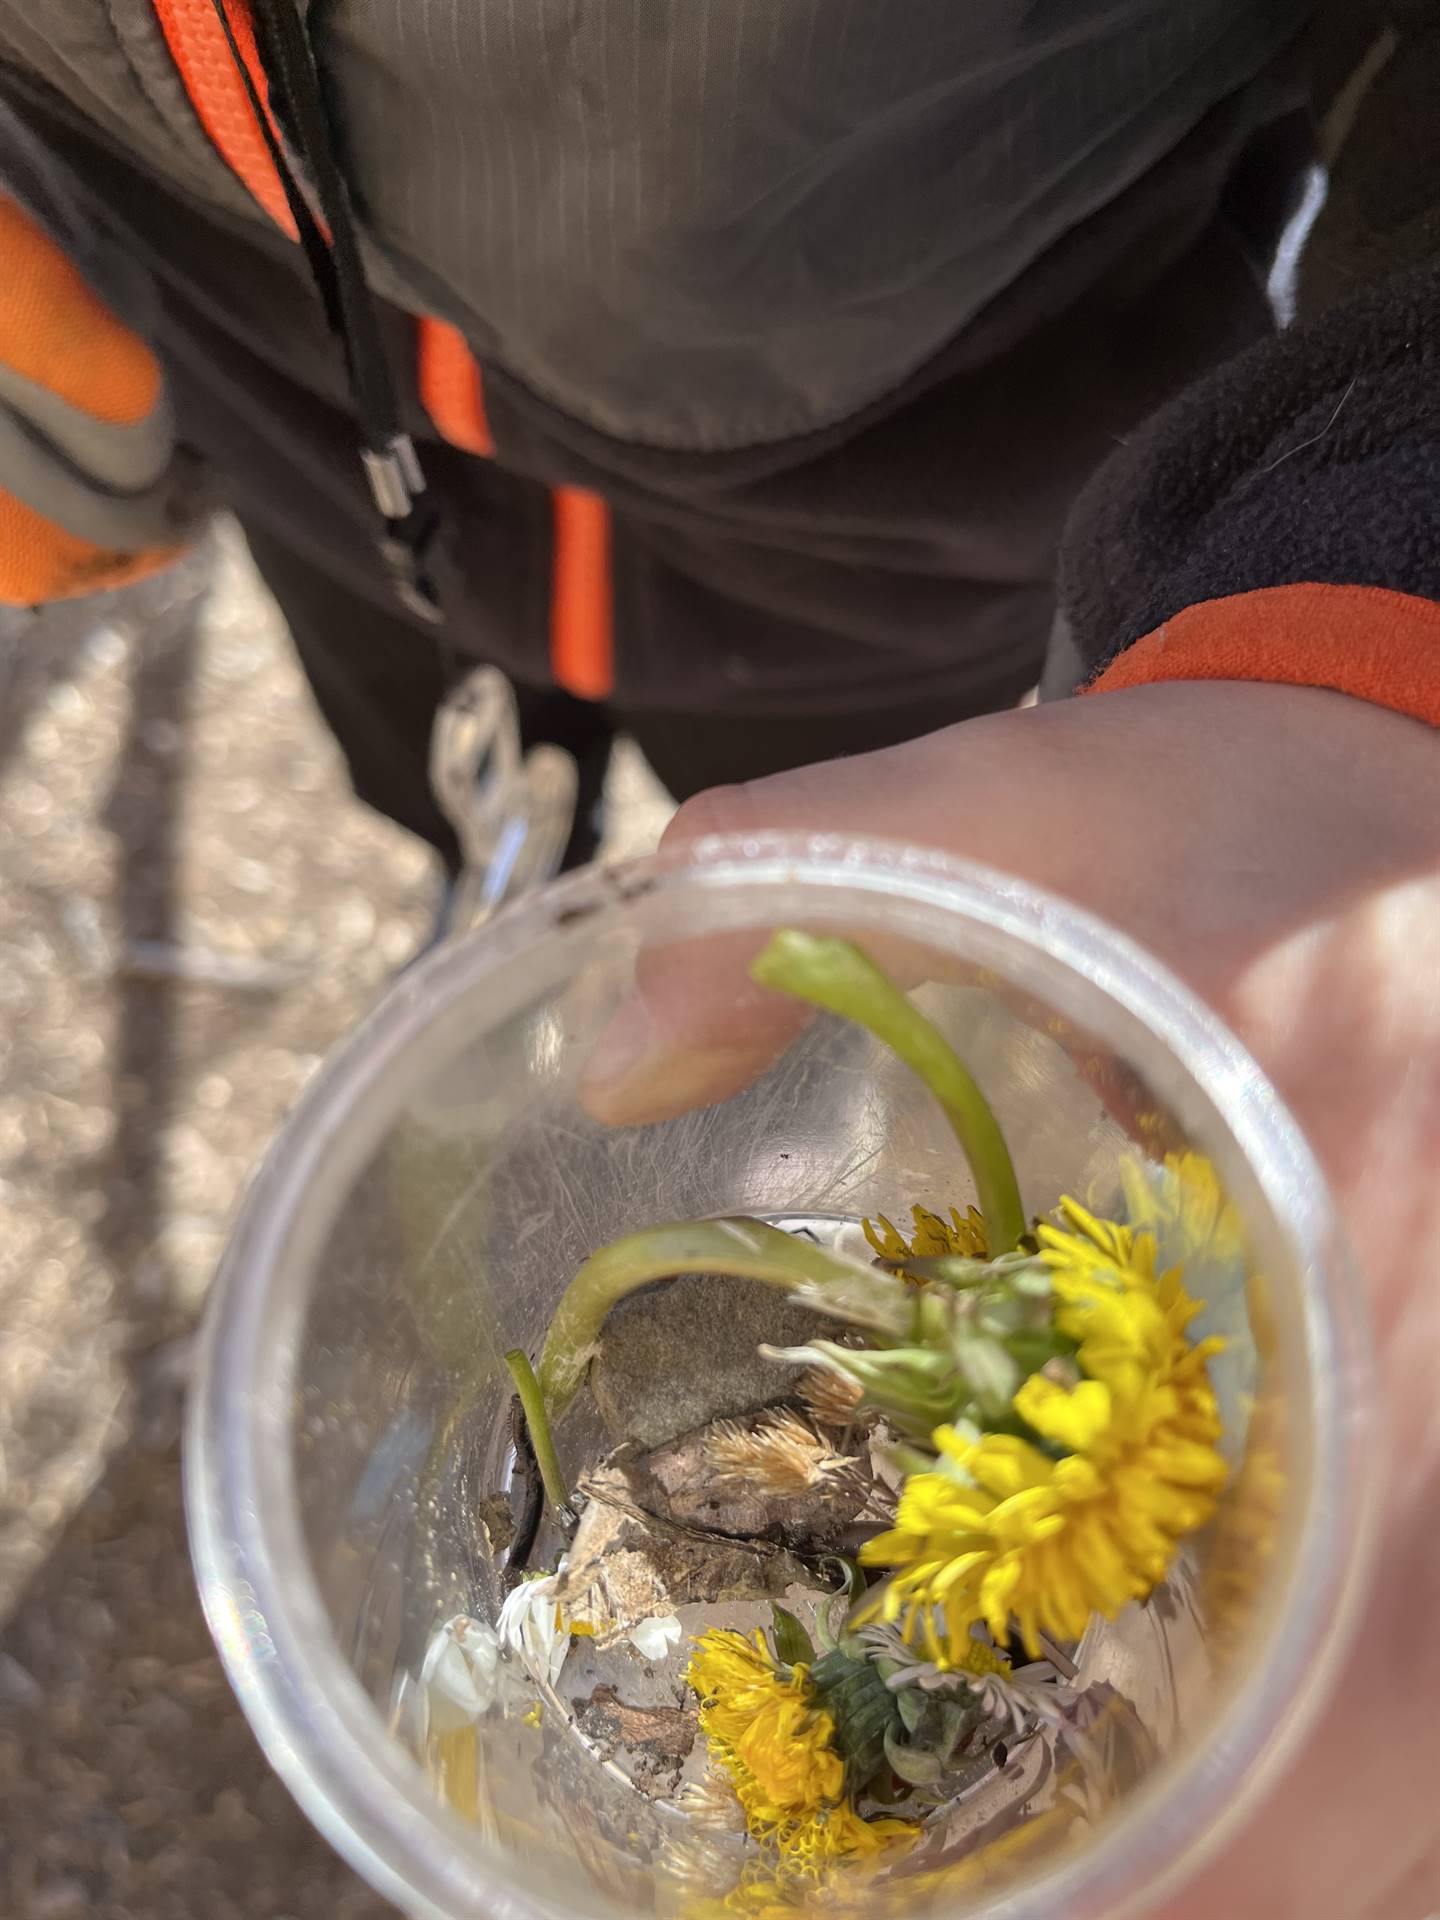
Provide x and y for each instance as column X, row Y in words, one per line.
column 1278, row 521
column 93, row 490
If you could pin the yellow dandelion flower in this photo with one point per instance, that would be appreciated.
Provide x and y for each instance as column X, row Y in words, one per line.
column 1184, row 1207
column 764, row 1730
column 777, row 1748
column 1005, row 1531
column 810, row 1848
column 979, row 1657
column 932, row 1236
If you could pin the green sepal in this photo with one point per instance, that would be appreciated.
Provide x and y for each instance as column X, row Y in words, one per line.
column 910, row 1703
column 793, row 1645
column 915, row 1765
column 863, row 1709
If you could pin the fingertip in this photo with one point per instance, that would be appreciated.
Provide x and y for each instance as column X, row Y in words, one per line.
column 664, row 1082
column 694, row 1030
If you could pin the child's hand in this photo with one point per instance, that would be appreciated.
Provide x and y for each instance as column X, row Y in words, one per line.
column 1279, row 849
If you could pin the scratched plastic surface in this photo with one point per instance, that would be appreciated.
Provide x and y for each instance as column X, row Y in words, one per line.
column 441, row 1184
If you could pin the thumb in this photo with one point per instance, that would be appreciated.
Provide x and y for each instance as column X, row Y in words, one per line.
column 695, row 1028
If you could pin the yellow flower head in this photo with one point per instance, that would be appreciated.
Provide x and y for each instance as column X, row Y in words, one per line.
column 1184, row 1207
column 777, row 1748
column 1004, row 1530
column 764, row 1730
column 830, row 1865
column 980, row 1658
column 812, row 1847
column 932, row 1236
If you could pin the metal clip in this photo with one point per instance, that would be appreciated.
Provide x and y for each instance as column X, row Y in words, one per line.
column 406, row 563
column 397, row 483
column 512, row 811
column 395, row 475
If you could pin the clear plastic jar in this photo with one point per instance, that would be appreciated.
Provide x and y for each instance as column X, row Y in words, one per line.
column 440, row 1183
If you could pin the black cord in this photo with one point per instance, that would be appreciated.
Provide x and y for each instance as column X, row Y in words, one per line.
column 312, row 239
column 397, row 483
column 290, row 67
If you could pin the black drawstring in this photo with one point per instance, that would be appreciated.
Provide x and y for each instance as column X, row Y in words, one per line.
column 387, row 452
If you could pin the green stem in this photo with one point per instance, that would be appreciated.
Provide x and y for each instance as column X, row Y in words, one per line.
column 836, row 975
column 748, row 1249
column 532, row 1402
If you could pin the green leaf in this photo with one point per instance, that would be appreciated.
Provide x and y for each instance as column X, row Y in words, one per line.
column 1033, row 1279
column 989, row 1372
column 1030, row 1351
column 910, row 1704
column 838, row 976
column 917, row 1388
column 954, row 1722
column 852, row 1579
column 958, row 1270
column 868, row 1297
column 913, row 1764
column 830, row 1624
column 793, row 1646
column 912, row 1460
column 1003, row 1318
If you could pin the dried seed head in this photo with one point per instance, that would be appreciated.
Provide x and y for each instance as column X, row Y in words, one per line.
column 831, row 1399
column 781, row 1454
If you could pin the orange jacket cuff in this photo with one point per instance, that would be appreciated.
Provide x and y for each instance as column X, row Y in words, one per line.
column 1370, row 642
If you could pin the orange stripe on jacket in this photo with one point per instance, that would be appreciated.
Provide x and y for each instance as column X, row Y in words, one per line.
column 1369, row 642
column 41, row 562
column 54, row 331
column 202, row 55
column 451, row 389
column 582, row 641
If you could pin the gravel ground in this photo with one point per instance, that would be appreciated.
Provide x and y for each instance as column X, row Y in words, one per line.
column 193, row 908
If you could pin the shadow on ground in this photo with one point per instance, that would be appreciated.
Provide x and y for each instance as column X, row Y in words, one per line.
column 178, row 853
column 193, row 909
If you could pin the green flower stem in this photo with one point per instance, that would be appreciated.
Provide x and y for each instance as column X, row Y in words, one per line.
column 532, row 1402
column 746, row 1249
column 837, row 976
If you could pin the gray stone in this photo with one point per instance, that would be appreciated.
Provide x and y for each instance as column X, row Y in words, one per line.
column 684, row 1353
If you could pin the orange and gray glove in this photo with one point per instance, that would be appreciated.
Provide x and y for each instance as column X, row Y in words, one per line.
column 93, row 492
